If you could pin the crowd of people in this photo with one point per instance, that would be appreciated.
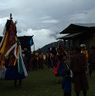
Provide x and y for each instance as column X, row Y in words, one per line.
column 74, row 66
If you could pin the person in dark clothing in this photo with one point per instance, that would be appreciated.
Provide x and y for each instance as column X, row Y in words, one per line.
column 66, row 80
column 64, row 72
column 79, row 69
column 91, row 61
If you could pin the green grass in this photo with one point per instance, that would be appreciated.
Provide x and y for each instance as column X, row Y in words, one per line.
column 39, row 83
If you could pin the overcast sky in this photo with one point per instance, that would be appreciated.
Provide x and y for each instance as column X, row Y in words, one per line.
column 46, row 18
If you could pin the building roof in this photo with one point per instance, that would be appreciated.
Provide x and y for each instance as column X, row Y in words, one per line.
column 80, row 27
column 86, row 24
column 70, row 36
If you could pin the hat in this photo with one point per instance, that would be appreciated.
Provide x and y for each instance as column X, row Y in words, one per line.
column 82, row 45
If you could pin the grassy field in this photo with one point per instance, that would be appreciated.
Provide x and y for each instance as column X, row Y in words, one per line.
column 39, row 83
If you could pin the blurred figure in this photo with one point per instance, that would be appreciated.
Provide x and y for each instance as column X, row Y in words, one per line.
column 48, row 60
column 84, row 51
column 40, row 61
column 91, row 61
column 79, row 69
column 63, row 70
column 65, row 73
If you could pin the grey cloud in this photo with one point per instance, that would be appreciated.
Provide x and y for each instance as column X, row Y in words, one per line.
column 52, row 15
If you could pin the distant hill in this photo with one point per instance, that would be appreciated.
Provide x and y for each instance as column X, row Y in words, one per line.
column 46, row 47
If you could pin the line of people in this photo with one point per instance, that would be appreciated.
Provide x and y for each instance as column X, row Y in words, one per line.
column 73, row 68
